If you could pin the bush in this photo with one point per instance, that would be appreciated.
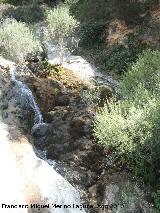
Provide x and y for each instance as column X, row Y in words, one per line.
column 17, row 41
column 133, row 131
column 118, row 59
column 25, row 13
column 92, row 34
column 146, row 70
column 156, row 197
column 131, row 126
column 61, row 28
column 17, row 2
column 130, row 11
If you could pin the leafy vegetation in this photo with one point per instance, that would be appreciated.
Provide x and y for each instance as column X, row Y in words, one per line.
column 92, row 34
column 61, row 28
column 131, row 126
column 156, row 197
column 146, row 72
column 22, row 2
column 26, row 13
column 118, row 59
column 17, row 41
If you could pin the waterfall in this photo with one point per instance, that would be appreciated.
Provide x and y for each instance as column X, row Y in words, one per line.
column 28, row 94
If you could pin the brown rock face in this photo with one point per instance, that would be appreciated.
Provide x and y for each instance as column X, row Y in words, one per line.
column 45, row 91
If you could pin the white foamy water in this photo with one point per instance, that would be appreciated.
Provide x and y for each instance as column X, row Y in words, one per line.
column 25, row 91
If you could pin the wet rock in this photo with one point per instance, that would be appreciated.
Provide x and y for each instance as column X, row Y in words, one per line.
column 40, row 130
column 39, row 133
column 5, row 115
column 122, row 194
column 59, row 113
column 62, row 100
column 55, row 151
column 46, row 91
column 39, row 143
column 77, row 127
column 4, row 105
column 105, row 93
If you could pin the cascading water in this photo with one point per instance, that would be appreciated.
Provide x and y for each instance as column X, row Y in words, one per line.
column 28, row 94
column 29, row 184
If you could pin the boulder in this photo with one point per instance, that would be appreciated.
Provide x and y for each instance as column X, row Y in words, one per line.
column 5, row 104
column 123, row 194
column 28, row 180
column 62, row 100
column 40, row 130
column 40, row 133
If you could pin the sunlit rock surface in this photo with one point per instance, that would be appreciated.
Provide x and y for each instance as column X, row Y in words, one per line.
column 80, row 67
column 26, row 179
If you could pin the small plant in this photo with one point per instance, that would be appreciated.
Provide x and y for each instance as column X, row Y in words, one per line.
column 52, row 69
column 47, row 65
column 156, row 197
column 61, row 28
column 17, row 41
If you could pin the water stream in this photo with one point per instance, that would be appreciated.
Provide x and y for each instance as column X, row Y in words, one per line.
column 25, row 91
column 27, row 180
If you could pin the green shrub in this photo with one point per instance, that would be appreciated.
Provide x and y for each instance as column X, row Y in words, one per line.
column 17, row 2
column 156, row 197
column 146, row 70
column 17, row 41
column 91, row 97
column 26, row 13
column 130, row 11
column 118, row 59
column 92, row 10
column 61, row 28
column 133, row 131
column 131, row 126
column 92, row 34
column 70, row 2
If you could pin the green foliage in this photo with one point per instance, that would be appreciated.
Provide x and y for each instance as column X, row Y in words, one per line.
column 47, row 65
column 156, row 197
column 17, row 2
column 26, row 13
column 70, row 2
column 61, row 28
column 130, row 11
column 91, row 34
column 146, row 71
column 17, row 41
column 91, row 10
column 135, row 46
column 118, row 59
column 131, row 126
column 52, row 69
column 91, row 97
